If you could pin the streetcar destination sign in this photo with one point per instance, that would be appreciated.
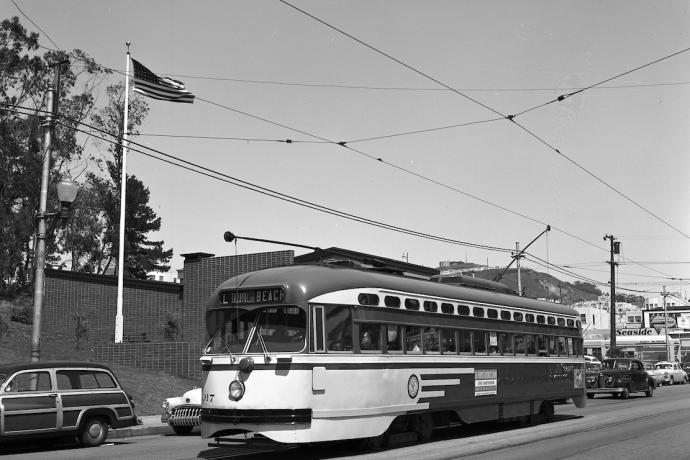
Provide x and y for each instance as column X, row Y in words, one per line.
column 253, row 296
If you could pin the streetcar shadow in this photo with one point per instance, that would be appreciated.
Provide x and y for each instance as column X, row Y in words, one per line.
column 333, row 450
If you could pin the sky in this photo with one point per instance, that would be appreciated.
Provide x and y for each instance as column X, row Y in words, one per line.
column 609, row 160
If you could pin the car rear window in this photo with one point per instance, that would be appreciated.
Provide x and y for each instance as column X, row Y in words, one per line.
column 83, row 380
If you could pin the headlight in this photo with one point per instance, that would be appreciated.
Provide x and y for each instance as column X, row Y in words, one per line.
column 236, row 390
column 166, row 405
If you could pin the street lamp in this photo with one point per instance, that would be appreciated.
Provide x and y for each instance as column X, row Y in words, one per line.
column 67, row 192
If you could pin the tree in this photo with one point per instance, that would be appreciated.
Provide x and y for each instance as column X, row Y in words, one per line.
column 24, row 79
column 95, row 246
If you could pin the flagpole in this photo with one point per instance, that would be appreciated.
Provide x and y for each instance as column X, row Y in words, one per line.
column 119, row 318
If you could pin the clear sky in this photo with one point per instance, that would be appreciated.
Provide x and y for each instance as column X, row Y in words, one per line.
column 623, row 167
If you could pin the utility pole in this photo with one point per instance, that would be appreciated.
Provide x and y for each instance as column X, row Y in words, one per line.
column 615, row 249
column 40, row 253
column 668, row 353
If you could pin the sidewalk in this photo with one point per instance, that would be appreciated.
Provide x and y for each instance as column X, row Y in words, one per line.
column 151, row 424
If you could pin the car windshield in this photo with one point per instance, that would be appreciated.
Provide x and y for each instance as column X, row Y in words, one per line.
column 268, row 329
column 663, row 366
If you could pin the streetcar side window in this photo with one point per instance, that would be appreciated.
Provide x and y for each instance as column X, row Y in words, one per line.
column 465, row 342
column 505, row 343
column 370, row 337
column 394, row 337
column 541, row 345
column 339, row 328
column 530, row 346
column 448, row 344
column 562, row 350
column 519, row 344
column 553, row 351
column 479, row 342
column 413, row 339
column 431, row 340
column 317, row 339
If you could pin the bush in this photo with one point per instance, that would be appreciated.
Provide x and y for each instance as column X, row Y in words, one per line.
column 171, row 328
column 22, row 314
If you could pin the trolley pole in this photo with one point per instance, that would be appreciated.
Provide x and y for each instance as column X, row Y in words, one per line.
column 668, row 352
column 615, row 249
column 517, row 265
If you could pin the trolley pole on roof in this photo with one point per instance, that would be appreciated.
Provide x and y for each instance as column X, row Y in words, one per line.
column 668, row 352
column 615, row 249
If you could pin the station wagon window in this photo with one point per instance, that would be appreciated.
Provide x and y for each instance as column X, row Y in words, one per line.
column 465, row 342
column 83, row 379
column 413, row 339
column 29, row 381
column 394, row 337
column 339, row 328
column 431, row 340
column 479, row 342
column 448, row 341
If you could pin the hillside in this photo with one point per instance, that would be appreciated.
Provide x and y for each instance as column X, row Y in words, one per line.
column 542, row 285
column 148, row 388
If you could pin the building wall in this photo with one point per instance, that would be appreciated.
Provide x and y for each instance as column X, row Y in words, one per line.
column 176, row 358
column 146, row 305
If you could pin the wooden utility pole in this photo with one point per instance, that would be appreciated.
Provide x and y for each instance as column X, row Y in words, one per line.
column 615, row 249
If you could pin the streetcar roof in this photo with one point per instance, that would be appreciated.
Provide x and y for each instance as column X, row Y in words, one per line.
column 306, row 281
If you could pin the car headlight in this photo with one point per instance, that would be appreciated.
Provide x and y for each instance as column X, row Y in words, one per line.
column 236, row 390
column 165, row 405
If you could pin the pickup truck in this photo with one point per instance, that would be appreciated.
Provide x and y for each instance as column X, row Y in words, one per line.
column 619, row 377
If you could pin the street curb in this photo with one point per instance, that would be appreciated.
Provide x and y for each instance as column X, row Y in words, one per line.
column 139, row 431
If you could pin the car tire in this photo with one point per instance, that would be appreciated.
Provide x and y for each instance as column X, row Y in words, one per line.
column 93, row 432
column 590, row 395
column 650, row 391
column 672, row 381
column 625, row 393
column 182, row 430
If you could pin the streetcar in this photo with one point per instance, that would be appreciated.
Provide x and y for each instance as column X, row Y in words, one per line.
column 312, row 353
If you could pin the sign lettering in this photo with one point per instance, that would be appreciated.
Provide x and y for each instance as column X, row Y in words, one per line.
column 645, row 331
column 253, row 296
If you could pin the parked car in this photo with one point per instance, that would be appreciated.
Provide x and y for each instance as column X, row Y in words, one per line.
column 658, row 374
column 620, row 377
column 673, row 373
column 182, row 413
column 56, row 399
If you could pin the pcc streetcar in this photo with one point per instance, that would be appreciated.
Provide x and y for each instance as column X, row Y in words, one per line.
column 311, row 353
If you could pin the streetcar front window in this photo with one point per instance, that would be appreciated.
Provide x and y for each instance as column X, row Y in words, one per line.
column 269, row 330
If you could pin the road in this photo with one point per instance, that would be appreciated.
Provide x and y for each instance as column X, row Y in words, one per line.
column 607, row 428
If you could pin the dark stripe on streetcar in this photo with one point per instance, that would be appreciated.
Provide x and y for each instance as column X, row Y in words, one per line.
column 236, row 416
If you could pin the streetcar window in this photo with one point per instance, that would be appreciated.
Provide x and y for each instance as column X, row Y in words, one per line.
column 479, row 342
column 463, row 310
column 541, row 345
column 370, row 337
column 540, row 319
column 392, row 302
column 561, row 321
column 551, row 320
column 571, row 349
column 368, row 299
column 571, row 323
column 317, row 339
column 394, row 336
column 530, row 346
column 465, row 342
column 493, row 343
column 447, row 308
column 492, row 313
column 562, row 350
column 339, row 328
column 448, row 341
column 430, row 306
column 431, row 340
column 519, row 344
column 505, row 343
column 413, row 339
column 505, row 315
column 478, row 312
column 529, row 317
column 553, row 351
column 412, row 304
column 517, row 316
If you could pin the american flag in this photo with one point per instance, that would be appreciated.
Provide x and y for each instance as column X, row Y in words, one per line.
column 162, row 88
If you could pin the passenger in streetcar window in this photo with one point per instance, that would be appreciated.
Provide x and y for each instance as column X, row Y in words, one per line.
column 393, row 335
column 369, row 337
column 412, row 339
column 553, row 351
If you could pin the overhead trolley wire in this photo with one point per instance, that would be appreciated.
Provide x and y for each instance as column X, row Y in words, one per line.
column 508, row 117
